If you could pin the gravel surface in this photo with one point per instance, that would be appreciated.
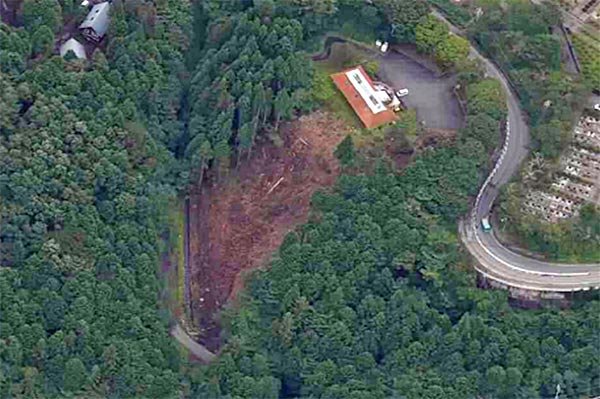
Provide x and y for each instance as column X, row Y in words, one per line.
column 431, row 96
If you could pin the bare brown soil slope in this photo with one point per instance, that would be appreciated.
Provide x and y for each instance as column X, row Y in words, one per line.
column 235, row 225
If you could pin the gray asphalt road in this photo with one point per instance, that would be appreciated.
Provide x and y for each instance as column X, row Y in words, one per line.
column 494, row 260
column 431, row 96
column 198, row 350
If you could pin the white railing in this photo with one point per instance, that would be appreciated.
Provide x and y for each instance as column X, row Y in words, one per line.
column 491, row 175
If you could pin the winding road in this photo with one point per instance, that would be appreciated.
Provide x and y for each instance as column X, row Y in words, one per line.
column 493, row 260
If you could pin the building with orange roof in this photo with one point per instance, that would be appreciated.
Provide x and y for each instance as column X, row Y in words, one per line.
column 366, row 101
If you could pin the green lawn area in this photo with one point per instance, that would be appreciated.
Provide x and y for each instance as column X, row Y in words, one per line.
column 173, row 276
column 588, row 53
column 331, row 99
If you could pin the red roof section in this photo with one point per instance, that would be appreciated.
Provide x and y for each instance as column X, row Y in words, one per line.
column 368, row 118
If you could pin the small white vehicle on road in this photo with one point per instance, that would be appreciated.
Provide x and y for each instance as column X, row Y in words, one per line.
column 597, row 107
column 402, row 93
column 485, row 225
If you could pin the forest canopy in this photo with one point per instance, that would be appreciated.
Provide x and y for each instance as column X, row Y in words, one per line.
column 370, row 299
column 84, row 152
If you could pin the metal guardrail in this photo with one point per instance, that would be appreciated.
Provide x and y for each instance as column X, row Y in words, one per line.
column 571, row 48
column 491, row 175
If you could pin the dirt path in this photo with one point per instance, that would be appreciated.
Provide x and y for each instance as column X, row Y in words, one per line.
column 237, row 224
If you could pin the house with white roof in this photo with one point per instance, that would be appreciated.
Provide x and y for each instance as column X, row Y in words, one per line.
column 96, row 23
column 74, row 46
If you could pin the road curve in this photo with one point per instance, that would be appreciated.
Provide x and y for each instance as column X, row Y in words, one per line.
column 194, row 347
column 495, row 261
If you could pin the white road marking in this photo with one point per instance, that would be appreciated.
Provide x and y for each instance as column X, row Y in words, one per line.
column 517, row 268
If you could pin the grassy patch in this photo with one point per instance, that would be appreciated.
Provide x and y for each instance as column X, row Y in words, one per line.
column 330, row 98
column 369, row 137
column 352, row 53
column 178, row 252
column 458, row 15
column 173, row 266
column 588, row 53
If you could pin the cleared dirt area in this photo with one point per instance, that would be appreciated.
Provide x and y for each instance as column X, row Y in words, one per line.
column 435, row 138
column 235, row 225
column 402, row 152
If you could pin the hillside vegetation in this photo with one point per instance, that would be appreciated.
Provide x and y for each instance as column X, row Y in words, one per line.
column 588, row 52
column 84, row 155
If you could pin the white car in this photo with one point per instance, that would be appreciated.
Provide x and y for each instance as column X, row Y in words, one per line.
column 401, row 93
column 597, row 107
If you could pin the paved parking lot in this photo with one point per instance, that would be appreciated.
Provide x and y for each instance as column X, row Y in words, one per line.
column 432, row 97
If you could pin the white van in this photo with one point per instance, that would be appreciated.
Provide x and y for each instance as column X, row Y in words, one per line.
column 485, row 224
